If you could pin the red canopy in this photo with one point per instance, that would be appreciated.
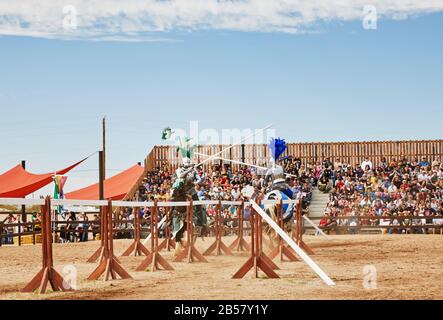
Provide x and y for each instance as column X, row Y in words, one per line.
column 18, row 183
column 115, row 188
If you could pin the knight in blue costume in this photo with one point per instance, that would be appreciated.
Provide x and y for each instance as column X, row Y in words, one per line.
column 275, row 177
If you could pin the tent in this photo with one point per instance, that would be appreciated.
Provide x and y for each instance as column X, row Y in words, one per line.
column 115, row 188
column 18, row 183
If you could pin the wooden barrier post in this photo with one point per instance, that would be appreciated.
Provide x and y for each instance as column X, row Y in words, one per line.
column 108, row 264
column 240, row 244
column 190, row 252
column 154, row 260
column 1, row 233
column 34, row 241
column 19, row 229
column 136, row 247
column 168, row 243
column 264, row 256
column 258, row 260
column 99, row 253
column 299, row 229
column 48, row 274
column 282, row 250
column 218, row 246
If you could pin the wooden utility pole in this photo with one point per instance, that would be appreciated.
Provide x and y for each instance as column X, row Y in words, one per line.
column 101, row 175
column 104, row 147
column 24, row 216
column 102, row 162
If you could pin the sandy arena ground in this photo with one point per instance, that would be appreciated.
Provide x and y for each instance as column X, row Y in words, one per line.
column 408, row 267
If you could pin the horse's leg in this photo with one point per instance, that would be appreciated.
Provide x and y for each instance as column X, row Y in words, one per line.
column 179, row 240
column 179, row 220
column 273, row 238
column 201, row 222
column 271, row 233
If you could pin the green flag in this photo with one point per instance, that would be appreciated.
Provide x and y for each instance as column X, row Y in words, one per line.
column 186, row 147
column 167, row 133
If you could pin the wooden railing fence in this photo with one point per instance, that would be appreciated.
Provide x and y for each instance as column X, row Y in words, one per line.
column 352, row 153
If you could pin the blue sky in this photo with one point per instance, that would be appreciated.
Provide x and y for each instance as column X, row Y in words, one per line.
column 339, row 83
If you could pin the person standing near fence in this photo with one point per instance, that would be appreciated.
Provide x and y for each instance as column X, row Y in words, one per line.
column 71, row 227
column 84, row 227
column 9, row 229
column 18, row 220
column 95, row 226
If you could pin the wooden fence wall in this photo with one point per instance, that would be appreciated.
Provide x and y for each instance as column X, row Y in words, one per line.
column 349, row 152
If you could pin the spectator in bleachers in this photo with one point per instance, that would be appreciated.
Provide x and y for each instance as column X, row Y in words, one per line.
column 395, row 190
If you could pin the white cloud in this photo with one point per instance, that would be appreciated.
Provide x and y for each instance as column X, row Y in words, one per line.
column 146, row 20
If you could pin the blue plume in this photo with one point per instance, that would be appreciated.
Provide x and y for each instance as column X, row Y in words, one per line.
column 278, row 147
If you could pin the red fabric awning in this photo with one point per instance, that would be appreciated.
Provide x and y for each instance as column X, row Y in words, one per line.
column 18, row 183
column 115, row 188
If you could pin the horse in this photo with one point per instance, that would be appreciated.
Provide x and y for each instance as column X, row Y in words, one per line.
column 179, row 214
column 288, row 211
column 272, row 210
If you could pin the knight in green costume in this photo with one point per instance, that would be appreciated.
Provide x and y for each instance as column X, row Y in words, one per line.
column 185, row 179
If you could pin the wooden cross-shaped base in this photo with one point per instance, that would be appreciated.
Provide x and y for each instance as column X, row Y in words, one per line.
column 168, row 243
column 258, row 260
column 109, row 266
column 48, row 275
column 154, row 261
column 298, row 238
column 96, row 255
column 259, row 263
column 191, row 254
column 99, row 253
column 218, row 246
column 282, row 250
column 136, row 248
column 240, row 244
column 305, row 247
column 189, row 251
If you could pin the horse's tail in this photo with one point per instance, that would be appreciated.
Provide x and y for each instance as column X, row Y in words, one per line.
column 272, row 212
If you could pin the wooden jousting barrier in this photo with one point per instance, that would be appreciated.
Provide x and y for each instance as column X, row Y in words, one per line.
column 240, row 244
column 168, row 243
column 299, row 229
column 258, row 260
column 47, row 275
column 282, row 249
column 108, row 263
column 293, row 245
column 154, row 260
column 190, row 252
column 218, row 246
column 137, row 248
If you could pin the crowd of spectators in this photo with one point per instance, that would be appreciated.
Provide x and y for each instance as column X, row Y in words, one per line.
column 221, row 181
column 400, row 196
column 225, row 182
column 71, row 227
column 396, row 193
column 11, row 226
